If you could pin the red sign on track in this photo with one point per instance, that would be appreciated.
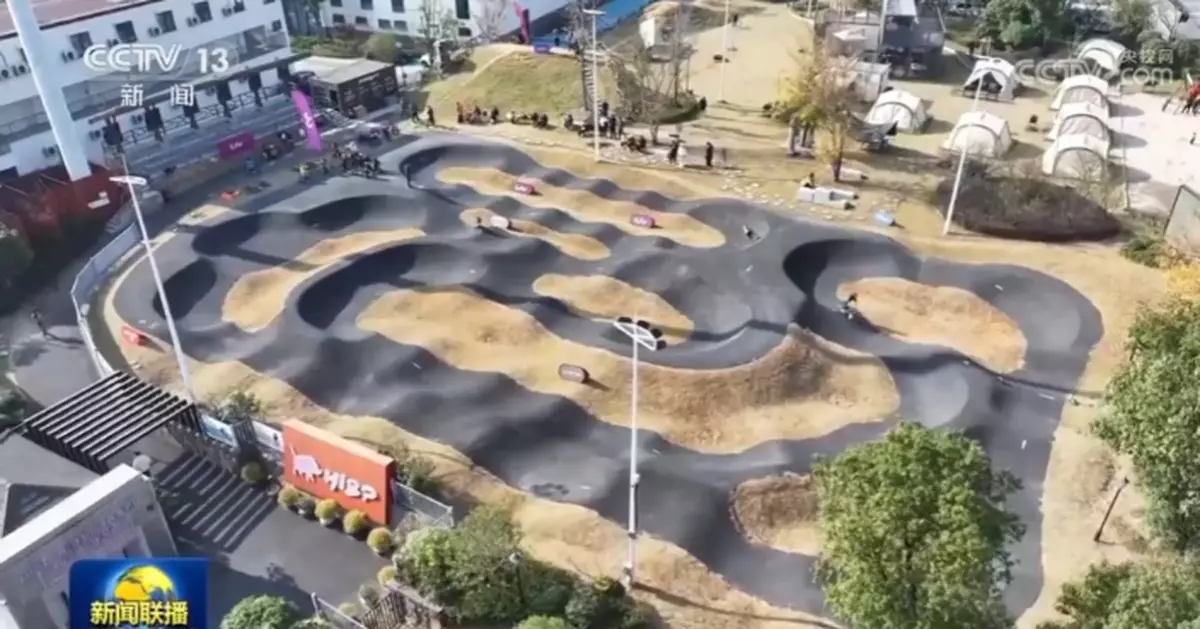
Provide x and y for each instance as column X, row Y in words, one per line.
column 641, row 220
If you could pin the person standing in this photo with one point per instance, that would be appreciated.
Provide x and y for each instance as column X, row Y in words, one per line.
column 36, row 316
column 406, row 170
column 429, row 116
column 708, row 154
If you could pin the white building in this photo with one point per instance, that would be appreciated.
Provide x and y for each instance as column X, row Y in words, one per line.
column 51, row 105
column 115, row 515
column 404, row 16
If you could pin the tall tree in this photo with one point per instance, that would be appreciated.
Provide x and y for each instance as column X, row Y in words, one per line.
column 1152, row 417
column 1023, row 24
column 644, row 86
column 915, row 532
column 818, row 95
column 1162, row 594
column 382, row 47
column 489, row 21
column 435, row 23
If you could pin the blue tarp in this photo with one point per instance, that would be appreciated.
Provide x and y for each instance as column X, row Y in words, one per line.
column 615, row 13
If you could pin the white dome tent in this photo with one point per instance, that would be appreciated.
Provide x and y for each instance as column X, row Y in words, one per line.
column 998, row 77
column 979, row 133
column 1076, row 156
column 1082, row 117
column 1105, row 53
column 1083, row 88
column 899, row 107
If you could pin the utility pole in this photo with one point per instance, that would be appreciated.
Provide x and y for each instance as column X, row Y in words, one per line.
column 1108, row 512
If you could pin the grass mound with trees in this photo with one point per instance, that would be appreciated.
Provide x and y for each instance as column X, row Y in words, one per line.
column 1026, row 206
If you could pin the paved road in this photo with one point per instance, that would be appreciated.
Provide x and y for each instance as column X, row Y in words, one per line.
column 741, row 296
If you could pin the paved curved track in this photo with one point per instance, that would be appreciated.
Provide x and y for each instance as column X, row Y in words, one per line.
column 741, row 298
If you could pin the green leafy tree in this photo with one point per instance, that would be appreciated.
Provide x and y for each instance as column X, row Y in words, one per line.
column 1024, row 24
column 240, row 406
column 261, row 612
column 1152, row 418
column 1130, row 19
column 1158, row 595
column 543, row 622
column 13, row 409
column 915, row 532
column 383, row 47
column 15, row 255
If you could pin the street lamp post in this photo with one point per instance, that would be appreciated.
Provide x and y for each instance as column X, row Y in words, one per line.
column 724, row 53
column 640, row 335
column 962, row 164
column 133, row 182
column 595, row 15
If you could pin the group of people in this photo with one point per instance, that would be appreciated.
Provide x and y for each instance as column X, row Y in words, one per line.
column 430, row 117
column 606, row 124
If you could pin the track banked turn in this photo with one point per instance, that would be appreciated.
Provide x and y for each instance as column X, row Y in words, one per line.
column 740, row 297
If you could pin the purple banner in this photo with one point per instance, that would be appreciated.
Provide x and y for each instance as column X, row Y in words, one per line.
column 312, row 135
column 235, row 145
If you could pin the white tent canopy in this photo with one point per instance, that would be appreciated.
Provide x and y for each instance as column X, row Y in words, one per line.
column 1082, row 118
column 1076, row 156
column 1082, row 88
column 1105, row 53
column 997, row 77
column 900, row 107
column 980, row 133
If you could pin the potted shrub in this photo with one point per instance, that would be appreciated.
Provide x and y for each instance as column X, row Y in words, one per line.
column 253, row 473
column 328, row 511
column 368, row 596
column 381, row 541
column 288, row 497
column 306, row 505
column 355, row 523
column 386, row 575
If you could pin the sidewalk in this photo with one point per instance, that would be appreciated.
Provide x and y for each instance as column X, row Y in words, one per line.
column 50, row 368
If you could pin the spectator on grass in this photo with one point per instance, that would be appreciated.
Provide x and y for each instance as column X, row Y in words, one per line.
column 709, row 149
column 429, row 116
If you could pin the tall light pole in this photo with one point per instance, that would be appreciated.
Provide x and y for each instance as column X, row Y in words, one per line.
column 595, row 15
column 962, row 164
column 133, row 182
column 640, row 335
column 724, row 53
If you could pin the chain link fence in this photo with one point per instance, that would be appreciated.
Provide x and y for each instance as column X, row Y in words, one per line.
column 1183, row 223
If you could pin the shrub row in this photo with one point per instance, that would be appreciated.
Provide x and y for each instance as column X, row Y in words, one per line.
column 1027, row 209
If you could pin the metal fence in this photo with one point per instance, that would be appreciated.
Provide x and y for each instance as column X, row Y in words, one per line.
column 1183, row 223
column 429, row 511
column 398, row 608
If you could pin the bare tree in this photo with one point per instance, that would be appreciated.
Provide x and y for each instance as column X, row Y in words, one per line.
column 819, row 96
column 435, row 24
column 645, row 87
column 490, row 20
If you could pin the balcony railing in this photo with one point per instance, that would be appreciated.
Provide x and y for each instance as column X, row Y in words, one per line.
column 108, row 97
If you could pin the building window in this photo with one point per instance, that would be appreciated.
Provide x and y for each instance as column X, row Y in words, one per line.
column 385, row 25
column 361, row 21
column 464, row 31
column 166, row 21
column 397, row 6
column 367, row 5
column 462, row 9
column 81, row 42
column 338, row 18
column 276, row 26
column 125, row 32
column 203, row 11
column 400, row 25
column 335, row 3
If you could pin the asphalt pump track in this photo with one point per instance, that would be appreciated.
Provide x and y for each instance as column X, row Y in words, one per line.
column 741, row 296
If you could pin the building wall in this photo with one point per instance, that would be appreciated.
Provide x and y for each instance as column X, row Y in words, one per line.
column 257, row 35
column 404, row 16
column 116, row 515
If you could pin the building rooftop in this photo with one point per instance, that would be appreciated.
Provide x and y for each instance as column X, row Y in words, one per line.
column 55, row 12
column 338, row 71
column 32, row 480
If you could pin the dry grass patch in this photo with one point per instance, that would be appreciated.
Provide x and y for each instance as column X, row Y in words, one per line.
column 575, row 245
column 941, row 315
column 256, row 298
column 779, row 511
column 603, row 298
column 805, row 387
column 523, row 81
column 587, row 207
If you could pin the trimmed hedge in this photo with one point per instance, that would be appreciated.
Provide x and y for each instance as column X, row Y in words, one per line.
column 1026, row 209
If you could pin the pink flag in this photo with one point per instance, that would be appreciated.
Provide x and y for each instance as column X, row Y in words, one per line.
column 312, row 134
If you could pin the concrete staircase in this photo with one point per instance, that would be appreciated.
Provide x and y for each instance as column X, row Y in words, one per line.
column 585, row 70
